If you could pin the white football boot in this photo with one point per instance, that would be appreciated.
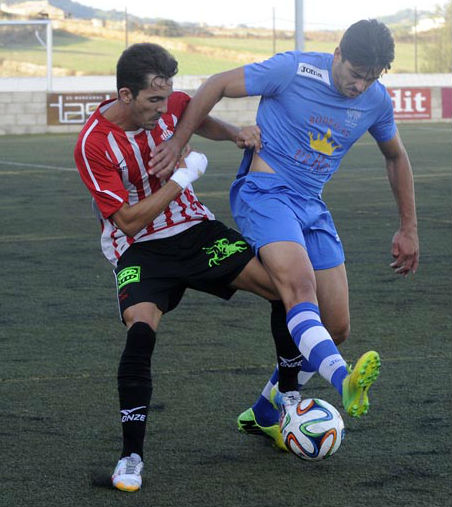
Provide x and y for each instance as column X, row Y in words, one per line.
column 127, row 474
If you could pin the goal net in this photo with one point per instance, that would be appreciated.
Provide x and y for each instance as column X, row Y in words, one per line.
column 26, row 49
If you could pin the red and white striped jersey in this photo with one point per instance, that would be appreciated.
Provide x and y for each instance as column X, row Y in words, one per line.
column 112, row 163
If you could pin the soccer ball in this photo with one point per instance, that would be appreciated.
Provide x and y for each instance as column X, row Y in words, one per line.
column 312, row 429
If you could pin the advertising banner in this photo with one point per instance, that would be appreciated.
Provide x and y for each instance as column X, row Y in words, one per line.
column 446, row 101
column 411, row 103
column 73, row 108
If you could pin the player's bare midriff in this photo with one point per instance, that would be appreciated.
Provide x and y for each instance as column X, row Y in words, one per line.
column 258, row 165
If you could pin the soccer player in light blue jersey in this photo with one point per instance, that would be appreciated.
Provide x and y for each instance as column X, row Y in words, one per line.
column 313, row 108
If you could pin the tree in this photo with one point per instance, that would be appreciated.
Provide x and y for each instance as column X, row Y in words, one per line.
column 438, row 51
column 166, row 28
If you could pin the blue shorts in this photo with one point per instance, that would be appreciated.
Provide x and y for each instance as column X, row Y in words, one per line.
column 266, row 211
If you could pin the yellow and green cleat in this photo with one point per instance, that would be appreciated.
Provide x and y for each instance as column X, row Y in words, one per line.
column 246, row 423
column 357, row 383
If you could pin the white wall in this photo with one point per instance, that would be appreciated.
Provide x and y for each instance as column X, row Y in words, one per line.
column 23, row 101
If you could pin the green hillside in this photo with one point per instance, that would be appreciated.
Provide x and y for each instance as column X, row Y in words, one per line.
column 75, row 54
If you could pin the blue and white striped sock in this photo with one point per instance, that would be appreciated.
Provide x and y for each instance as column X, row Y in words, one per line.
column 305, row 374
column 265, row 413
column 316, row 344
column 320, row 354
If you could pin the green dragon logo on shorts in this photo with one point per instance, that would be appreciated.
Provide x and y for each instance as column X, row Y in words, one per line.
column 128, row 275
column 222, row 249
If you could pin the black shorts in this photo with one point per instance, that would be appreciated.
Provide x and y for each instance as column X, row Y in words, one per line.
column 206, row 257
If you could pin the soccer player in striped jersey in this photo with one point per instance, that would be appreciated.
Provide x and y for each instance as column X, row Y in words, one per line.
column 313, row 107
column 160, row 238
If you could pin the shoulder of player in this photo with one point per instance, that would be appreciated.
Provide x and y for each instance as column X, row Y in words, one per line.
column 322, row 60
column 178, row 101
column 378, row 92
column 93, row 138
column 96, row 123
column 314, row 66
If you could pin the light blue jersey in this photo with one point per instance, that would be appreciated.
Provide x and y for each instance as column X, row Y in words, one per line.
column 307, row 124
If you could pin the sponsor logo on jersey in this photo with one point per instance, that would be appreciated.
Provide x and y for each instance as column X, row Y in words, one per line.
column 122, row 166
column 331, row 123
column 128, row 275
column 307, row 70
column 323, row 144
column 352, row 118
column 166, row 132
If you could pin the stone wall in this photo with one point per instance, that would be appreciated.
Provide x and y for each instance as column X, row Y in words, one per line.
column 26, row 113
column 23, row 104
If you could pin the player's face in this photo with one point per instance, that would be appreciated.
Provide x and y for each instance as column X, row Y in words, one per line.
column 352, row 80
column 148, row 106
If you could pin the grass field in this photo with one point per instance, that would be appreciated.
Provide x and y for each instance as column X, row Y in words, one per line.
column 99, row 55
column 61, row 339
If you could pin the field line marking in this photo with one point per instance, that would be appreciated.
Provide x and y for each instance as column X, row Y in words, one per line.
column 38, row 166
column 215, row 193
column 74, row 169
column 247, row 368
column 222, row 174
column 34, row 237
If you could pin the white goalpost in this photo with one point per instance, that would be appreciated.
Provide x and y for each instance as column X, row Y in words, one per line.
column 48, row 43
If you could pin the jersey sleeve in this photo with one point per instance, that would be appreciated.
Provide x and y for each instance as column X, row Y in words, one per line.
column 271, row 76
column 384, row 128
column 100, row 175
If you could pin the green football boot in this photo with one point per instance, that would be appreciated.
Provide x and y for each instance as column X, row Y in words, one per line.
column 357, row 383
column 246, row 423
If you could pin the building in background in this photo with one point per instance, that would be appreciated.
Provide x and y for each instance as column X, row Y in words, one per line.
column 33, row 10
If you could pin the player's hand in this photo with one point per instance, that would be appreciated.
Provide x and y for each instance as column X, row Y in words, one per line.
column 190, row 169
column 164, row 158
column 405, row 251
column 249, row 137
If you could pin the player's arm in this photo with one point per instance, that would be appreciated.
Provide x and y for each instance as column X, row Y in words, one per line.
column 131, row 219
column 405, row 243
column 225, row 84
column 219, row 130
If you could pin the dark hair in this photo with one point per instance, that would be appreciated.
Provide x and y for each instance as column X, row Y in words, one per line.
column 368, row 43
column 138, row 61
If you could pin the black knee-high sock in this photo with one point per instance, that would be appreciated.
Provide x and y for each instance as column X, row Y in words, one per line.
column 135, row 386
column 288, row 355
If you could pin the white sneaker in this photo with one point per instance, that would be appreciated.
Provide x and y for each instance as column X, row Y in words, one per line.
column 127, row 474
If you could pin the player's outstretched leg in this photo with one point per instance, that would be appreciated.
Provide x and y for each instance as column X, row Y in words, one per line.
column 127, row 474
column 357, row 383
column 262, row 418
column 247, row 423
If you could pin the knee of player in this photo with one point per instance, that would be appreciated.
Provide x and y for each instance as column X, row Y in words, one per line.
column 340, row 333
column 134, row 368
column 142, row 313
column 140, row 339
column 298, row 291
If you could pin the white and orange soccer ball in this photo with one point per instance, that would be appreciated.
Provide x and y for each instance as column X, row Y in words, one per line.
column 312, row 429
